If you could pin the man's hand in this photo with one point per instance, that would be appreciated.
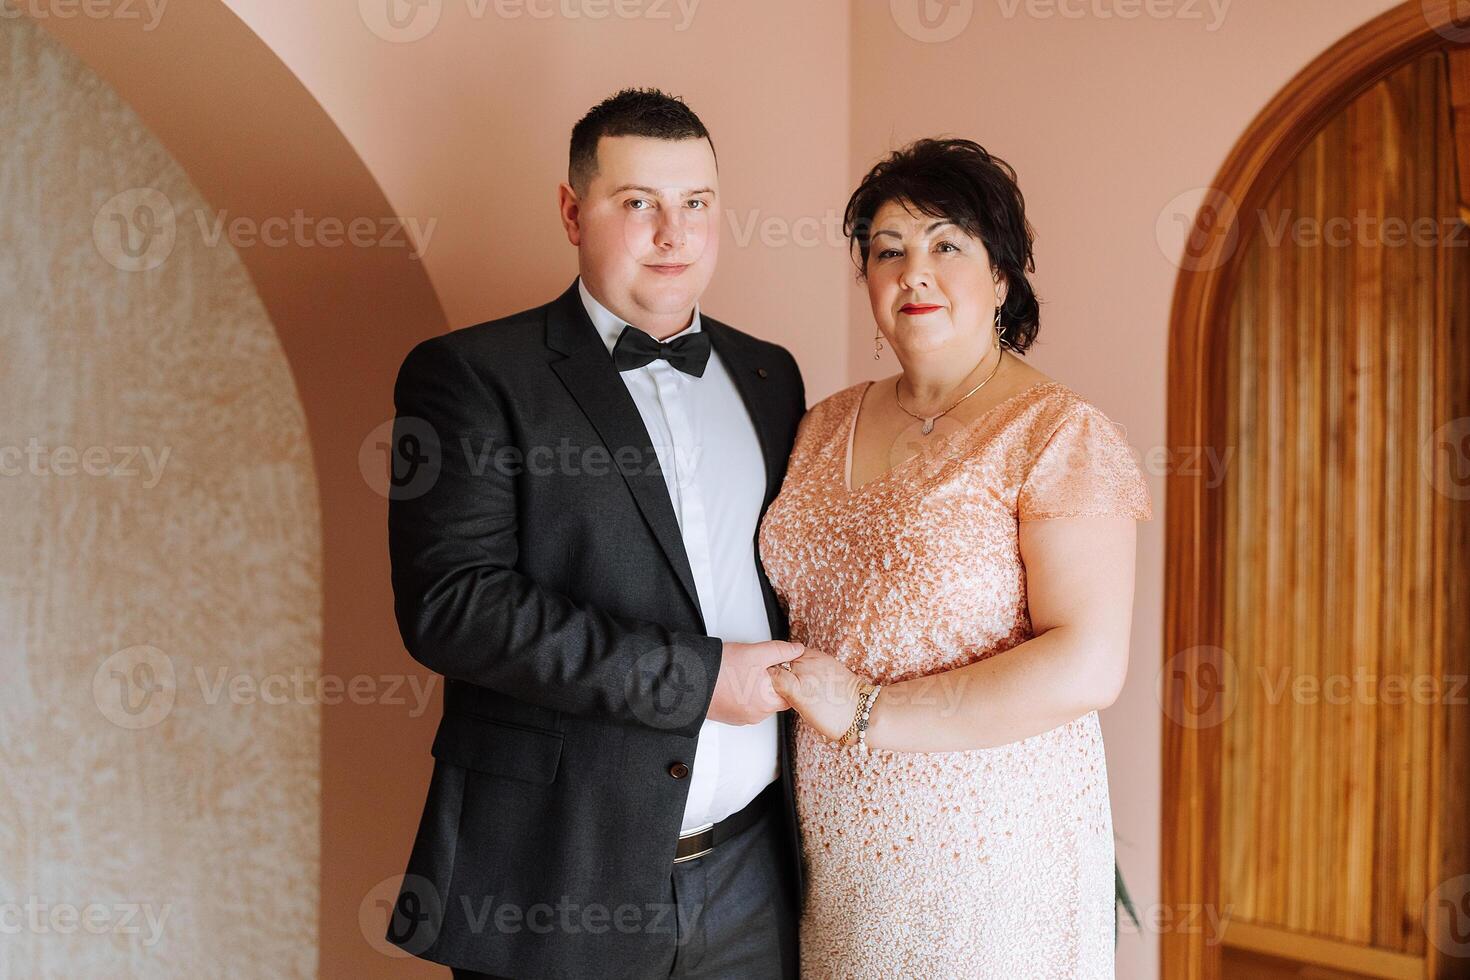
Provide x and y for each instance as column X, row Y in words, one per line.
column 744, row 694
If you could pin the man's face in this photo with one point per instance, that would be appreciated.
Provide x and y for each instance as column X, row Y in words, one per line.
column 647, row 227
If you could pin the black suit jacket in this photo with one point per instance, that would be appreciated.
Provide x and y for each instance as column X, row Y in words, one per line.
column 537, row 564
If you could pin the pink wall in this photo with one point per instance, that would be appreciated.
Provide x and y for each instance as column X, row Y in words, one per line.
column 468, row 126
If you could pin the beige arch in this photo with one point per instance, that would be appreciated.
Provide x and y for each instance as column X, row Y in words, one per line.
column 256, row 144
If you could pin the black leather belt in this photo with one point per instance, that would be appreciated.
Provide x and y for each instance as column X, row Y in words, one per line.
column 699, row 842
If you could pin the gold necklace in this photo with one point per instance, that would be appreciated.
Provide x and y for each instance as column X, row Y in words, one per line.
column 928, row 426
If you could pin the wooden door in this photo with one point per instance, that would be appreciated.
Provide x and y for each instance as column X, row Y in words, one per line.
column 1343, row 813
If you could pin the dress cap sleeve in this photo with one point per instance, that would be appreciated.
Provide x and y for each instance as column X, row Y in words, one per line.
column 1085, row 469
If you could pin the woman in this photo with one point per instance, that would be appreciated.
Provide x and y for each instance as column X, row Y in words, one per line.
column 961, row 536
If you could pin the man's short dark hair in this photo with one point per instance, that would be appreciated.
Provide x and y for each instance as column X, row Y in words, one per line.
column 631, row 112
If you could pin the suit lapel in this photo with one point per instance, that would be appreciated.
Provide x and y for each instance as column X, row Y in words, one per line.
column 589, row 375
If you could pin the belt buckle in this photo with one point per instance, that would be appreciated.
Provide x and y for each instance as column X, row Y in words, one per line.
column 703, row 828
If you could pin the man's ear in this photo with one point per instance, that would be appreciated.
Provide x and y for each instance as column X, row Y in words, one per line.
column 570, row 207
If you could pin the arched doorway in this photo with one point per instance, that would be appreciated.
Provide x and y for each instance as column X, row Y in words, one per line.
column 1213, row 730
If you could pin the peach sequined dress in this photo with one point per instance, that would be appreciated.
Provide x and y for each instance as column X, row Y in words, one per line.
column 992, row 863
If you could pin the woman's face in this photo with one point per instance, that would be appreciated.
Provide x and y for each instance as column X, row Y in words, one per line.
column 930, row 284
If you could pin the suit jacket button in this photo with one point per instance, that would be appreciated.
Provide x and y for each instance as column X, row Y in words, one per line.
column 761, row 372
column 678, row 770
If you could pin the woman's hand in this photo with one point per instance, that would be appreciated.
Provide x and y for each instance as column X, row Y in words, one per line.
column 822, row 691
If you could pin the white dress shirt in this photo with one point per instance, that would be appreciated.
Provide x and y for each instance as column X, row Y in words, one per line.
column 711, row 461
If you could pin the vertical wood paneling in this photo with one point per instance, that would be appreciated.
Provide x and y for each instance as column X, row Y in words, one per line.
column 1364, row 546
column 1239, row 760
column 1449, row 529
column 1339, row 553
column 1203, row 586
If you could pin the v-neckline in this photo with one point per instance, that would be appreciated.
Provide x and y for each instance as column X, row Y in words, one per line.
column 852, row 434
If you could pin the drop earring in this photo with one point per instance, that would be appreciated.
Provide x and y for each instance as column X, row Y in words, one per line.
column 877, row 345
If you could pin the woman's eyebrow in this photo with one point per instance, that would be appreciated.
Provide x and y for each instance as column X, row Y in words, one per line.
column 889, row 231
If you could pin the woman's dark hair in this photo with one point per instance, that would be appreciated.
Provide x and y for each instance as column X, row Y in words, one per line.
column 957, row 180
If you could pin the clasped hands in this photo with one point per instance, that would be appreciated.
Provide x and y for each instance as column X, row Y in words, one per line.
column 753, row 684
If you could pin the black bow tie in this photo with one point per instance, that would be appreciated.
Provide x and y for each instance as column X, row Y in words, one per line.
column 689, row 353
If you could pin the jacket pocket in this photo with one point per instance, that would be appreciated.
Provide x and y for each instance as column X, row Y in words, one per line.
column 512, row 751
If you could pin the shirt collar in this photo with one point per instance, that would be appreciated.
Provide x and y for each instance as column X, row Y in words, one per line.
column 610, row 326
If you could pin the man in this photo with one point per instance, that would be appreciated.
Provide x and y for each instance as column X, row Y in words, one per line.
column 573, row 548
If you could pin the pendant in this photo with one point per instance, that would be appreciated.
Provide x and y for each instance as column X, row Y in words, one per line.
column 928, row 425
